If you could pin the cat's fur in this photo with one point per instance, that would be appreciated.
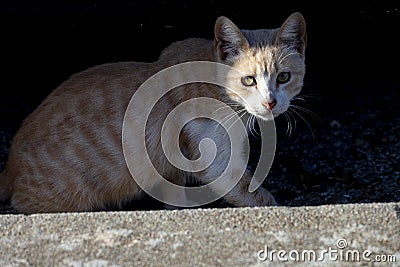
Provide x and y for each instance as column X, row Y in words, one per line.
column 67, row 155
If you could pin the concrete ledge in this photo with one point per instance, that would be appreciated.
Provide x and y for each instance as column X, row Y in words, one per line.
column 200, row 237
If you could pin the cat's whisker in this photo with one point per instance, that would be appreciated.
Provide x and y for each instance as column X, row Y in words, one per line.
column 250, row 125
column 306, row 122
column 254, row 125
column 233, row 104
column 311, row 95
column 304, row 96
column 294, row 119
column 240, row 117
column 229, row 117
column 247, row 123
column 228, row 105
column 289, row 125
column 307, row 111
column 299, row 98
column 294, row 124
column 220, row 109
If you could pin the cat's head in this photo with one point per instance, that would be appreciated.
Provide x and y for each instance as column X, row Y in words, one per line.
column 271, row 60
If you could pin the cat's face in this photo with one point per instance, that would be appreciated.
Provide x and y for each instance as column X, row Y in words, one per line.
column 271, row 63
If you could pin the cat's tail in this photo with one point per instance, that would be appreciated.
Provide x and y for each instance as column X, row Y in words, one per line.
column 5, row 186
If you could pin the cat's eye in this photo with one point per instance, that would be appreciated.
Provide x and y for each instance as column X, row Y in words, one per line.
column 249, row 81
column 283, row 77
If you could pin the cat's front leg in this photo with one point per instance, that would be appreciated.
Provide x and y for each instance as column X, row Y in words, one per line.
column 240, row 195
column 228, row 168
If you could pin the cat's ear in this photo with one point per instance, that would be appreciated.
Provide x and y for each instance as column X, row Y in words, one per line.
column 293, row 33
column 229, row 40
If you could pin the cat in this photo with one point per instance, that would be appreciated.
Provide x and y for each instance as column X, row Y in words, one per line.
column 67, row 155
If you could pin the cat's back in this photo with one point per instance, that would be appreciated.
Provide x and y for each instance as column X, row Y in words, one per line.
column 92, row 96
column 191, row 49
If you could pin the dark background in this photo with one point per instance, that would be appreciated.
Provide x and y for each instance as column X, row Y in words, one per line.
column 352, row 58
column 44, row 42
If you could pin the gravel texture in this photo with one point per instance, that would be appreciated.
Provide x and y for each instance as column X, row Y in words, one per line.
column 352, row 158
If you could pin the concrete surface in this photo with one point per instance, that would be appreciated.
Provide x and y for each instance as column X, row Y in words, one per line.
column 203, row 237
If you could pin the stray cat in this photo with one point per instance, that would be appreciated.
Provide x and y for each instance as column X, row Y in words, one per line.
column 68, row 156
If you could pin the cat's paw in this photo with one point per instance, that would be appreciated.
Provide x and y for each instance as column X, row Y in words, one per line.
column 263, row 197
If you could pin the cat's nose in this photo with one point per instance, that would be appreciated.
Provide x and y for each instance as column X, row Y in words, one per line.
column 269, row 105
